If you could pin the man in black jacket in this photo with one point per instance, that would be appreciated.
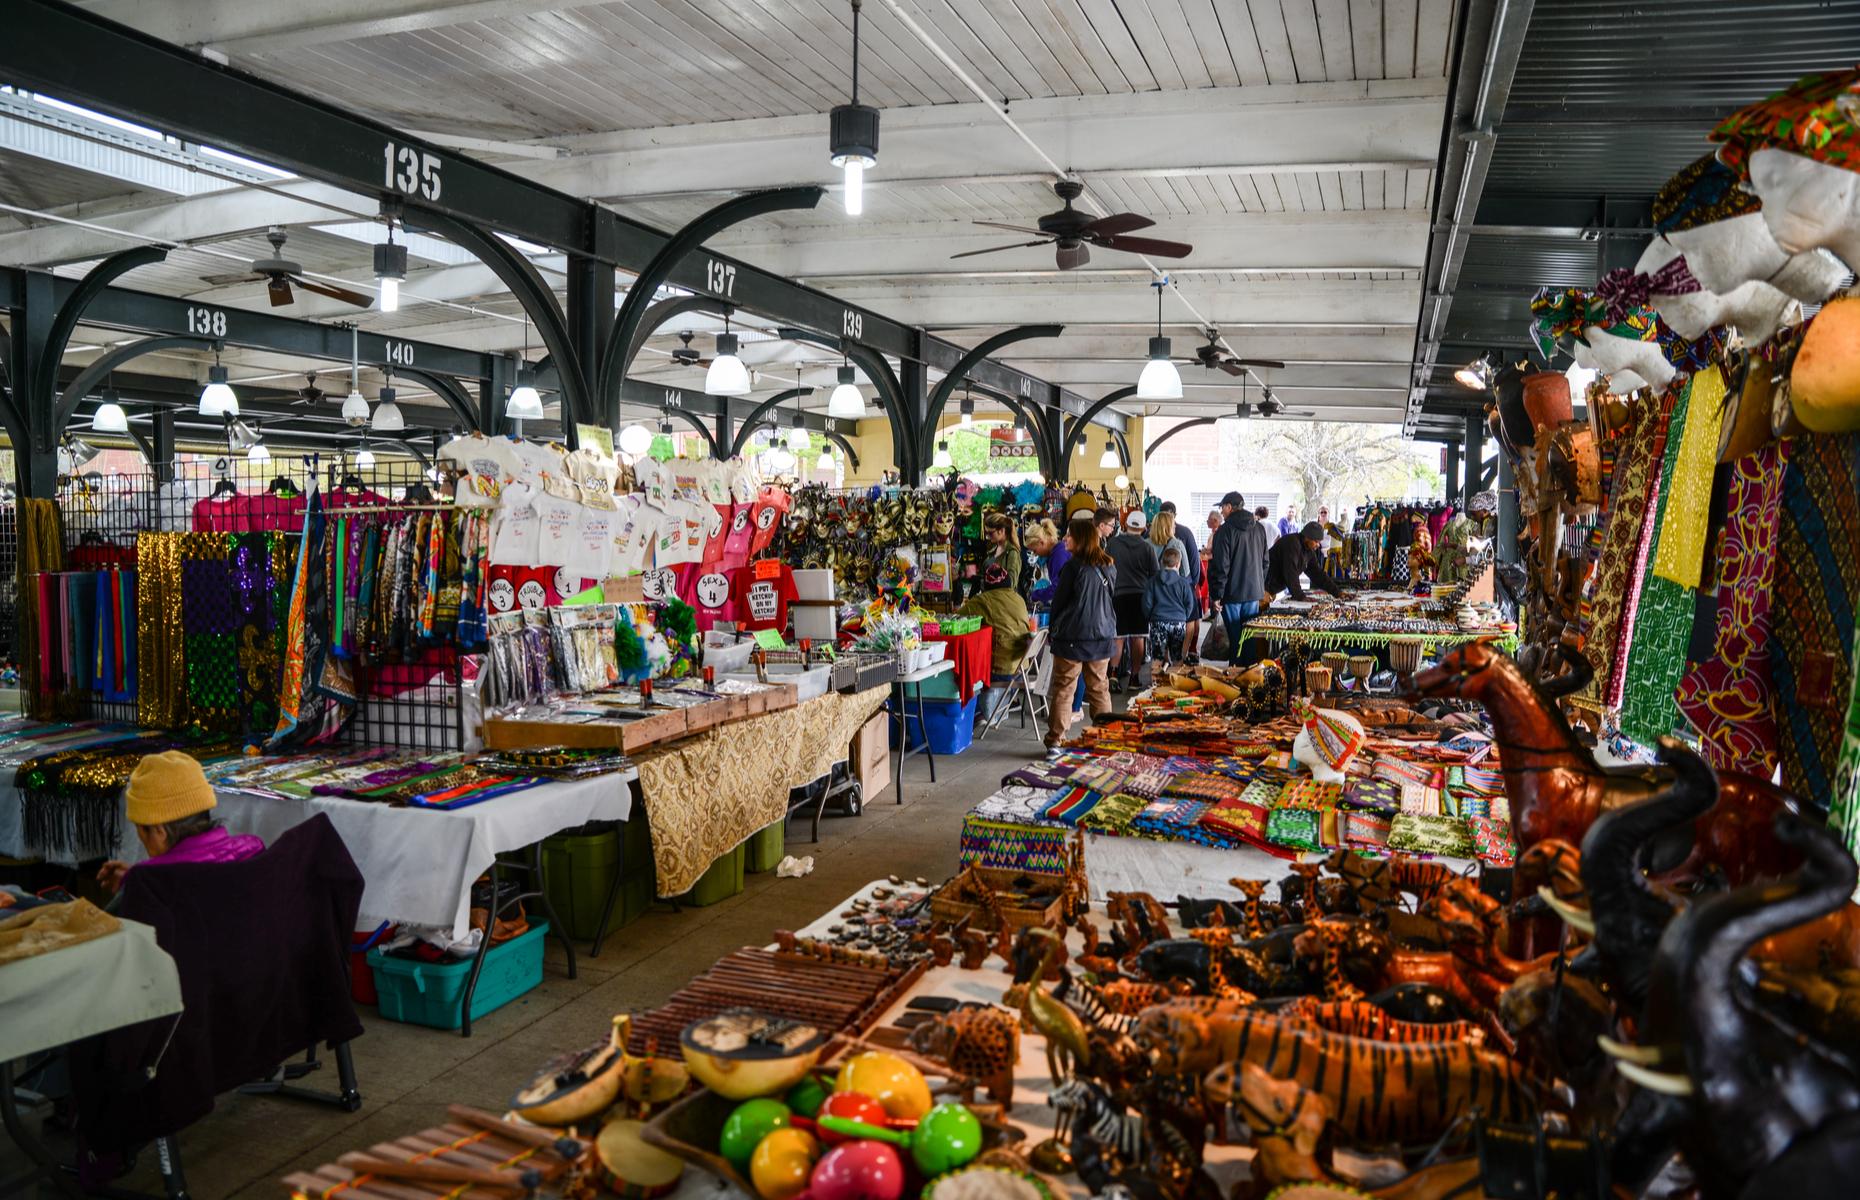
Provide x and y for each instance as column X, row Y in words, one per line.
column 1236, row 568
column 1298, row 554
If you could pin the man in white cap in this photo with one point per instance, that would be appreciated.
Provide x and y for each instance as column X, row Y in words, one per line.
column 1136, row 561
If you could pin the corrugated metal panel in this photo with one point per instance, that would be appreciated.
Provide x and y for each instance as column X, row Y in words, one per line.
column 31, row 182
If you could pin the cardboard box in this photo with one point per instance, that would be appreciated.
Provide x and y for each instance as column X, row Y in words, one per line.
column 870, row 755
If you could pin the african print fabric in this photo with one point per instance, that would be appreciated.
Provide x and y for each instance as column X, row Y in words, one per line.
column 1686, row 505
column 1610, row 583
column 1844, row 803
column 1656, row 656
column 1817, row 588
column 1730, row 698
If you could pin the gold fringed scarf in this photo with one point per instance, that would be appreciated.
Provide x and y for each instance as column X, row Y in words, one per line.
column 41, row 549
column 160, row 667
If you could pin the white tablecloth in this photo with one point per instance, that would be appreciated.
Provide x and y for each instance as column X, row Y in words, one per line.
column 90, row 988
column 418, row 864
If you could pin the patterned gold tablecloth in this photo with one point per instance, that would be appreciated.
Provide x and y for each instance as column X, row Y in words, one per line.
column 707, row 794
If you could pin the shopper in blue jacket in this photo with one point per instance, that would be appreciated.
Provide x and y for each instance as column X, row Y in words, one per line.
column 1168, row 604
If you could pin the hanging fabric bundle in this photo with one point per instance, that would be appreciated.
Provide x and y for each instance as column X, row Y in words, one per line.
column 41, row 549
column 160, row 671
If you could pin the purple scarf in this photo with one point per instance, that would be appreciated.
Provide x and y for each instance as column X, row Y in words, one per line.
column 213, row 846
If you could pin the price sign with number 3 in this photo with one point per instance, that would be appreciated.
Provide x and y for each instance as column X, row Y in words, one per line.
column 660, row 584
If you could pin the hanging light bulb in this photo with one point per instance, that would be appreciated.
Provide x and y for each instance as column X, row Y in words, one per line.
column 525, row 403
column 387, row 417
column 727, row 375
column 635, row 440
column 1121, row 482
column 779, row 459
column 968, row 410
column 852, row 139
column 110, row 417
column 847, row 402
column 217, row 399
column 798, row 437
column 257, row 451
column 942, row 461
column 1108, row 460
column 390, row 269
column 364, row 458
column 1160, row 380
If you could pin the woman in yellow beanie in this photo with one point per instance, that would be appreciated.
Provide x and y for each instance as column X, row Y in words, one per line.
column 170, row 803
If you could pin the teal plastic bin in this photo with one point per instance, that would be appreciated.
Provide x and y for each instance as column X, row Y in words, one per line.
column 764, row 850
column 723, row 880
column 578, row 870
column 428, row 994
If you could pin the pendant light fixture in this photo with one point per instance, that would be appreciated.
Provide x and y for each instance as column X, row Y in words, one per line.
column 525, row 403
column 217, row 399
column 257, row 451
column 847, row 402
column 852, row 141
column 727, row 375
column 355, row 405
column 364, row 458
column 635, row 440
column 1476, row 374
column 110, row 417
column 1160, row 380
column 968, row 409
column 387, row 417
column 942, row 461
column 798, row 437
column 1108, row 461
column 390, row 269
column 665, row 424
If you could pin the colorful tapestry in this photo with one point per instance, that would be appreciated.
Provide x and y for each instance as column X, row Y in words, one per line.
column 1310, row 793
column 1844, row 803
column 1414, row 833
column 1113, row 814
column 1686, row 508
column 1379, row 795
column 1618, row 577
column 1295, row 828
column 1009, row 846
column 1364, row 830
column 1492, row 841
column 1730, row 698
column 1817, row 588
column 1072, row 803
column 1656, row 654
column 1239, row 820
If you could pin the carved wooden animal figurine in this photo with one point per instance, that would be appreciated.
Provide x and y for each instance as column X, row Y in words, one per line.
column 1252, row 889
column 1758, row 1109
column 1556, row 789
column 1066, row 1043
column 982, row 1044
column 1381, row 1090
column 1364, row 1019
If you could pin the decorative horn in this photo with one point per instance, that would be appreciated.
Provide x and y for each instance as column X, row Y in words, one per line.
column 1646, row 1056
column 1664, row 1082
column 1572, row 916
column 1580, row 673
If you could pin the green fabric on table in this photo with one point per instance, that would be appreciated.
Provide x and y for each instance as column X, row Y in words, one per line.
column 1416, row 833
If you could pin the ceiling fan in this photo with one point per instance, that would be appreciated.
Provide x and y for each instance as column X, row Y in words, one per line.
column 310, row 393
column 685, row 355
column 279, row 273
column 1268, row 405
column 1215, row 356
column 1073, row 233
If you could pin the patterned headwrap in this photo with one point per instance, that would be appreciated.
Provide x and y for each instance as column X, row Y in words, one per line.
column 1623, row 291
column 1702, row 193
column 1817, row 116
column 1336, row 736
column 1557, row 313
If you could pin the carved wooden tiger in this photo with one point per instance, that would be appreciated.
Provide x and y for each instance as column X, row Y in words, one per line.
column 1361, row 1019
column 1381, row 1091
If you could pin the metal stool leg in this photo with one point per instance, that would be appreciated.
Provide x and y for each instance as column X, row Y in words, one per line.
column 555, row 924
column 477, row 962
column 929, row 754
column 904, row 729
column 607, row 909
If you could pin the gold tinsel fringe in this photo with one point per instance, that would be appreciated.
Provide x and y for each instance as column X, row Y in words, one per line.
column 160, row 671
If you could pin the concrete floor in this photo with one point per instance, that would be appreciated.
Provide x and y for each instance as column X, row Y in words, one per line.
column 408, row 1073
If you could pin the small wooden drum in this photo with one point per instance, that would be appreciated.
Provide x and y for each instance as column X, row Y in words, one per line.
column 1405, row 655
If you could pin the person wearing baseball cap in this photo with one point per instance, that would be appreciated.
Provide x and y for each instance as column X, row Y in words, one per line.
column 1236, row 569
column 171, row 804
column 1296, row 555
column 1136, row 559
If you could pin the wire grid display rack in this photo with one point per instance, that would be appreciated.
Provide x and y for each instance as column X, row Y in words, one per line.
column 412, row 701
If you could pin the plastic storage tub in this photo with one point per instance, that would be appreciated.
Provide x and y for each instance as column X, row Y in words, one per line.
column 809, row 682
column 949, row 726
column 430, row 993
column 361, row 975
column 763, row 851
column 724, row 655
column 578, row 870
column 723, row 880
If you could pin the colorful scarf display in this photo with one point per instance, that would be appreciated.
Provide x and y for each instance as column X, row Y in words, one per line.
column 1687, row 501
column 1656, row 655
column 1817, row 589
column 1730, row 698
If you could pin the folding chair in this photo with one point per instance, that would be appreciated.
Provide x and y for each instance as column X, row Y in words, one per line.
column 1023, row 694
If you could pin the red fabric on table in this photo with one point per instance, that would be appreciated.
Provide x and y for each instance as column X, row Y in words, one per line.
column 973, row 654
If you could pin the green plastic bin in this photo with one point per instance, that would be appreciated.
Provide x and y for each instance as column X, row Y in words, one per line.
column 420, row 993
column 723, row 880
column 639, row 881
column 764, row 850
column 578, row 870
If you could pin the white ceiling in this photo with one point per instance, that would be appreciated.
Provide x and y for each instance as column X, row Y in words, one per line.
column 1290, row 141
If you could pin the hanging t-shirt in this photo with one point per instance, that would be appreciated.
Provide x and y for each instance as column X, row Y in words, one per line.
column 713, row 534
column 638, row 532
column 221, row 514
column 513, row 540
column 534, row 461
column 742, row 532
column 771, row 503
column 761, row 592
column 513, row 587
column 559, row 520
column 268, row 512
column 593, row 550
column 709, row 596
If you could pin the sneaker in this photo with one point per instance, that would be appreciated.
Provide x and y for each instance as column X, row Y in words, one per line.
column 1193, row 660
column 1117, row 685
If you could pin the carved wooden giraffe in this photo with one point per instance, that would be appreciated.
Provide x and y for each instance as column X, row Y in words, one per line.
column 1337, row 986
column 1309, row 873
column 1252, row 889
